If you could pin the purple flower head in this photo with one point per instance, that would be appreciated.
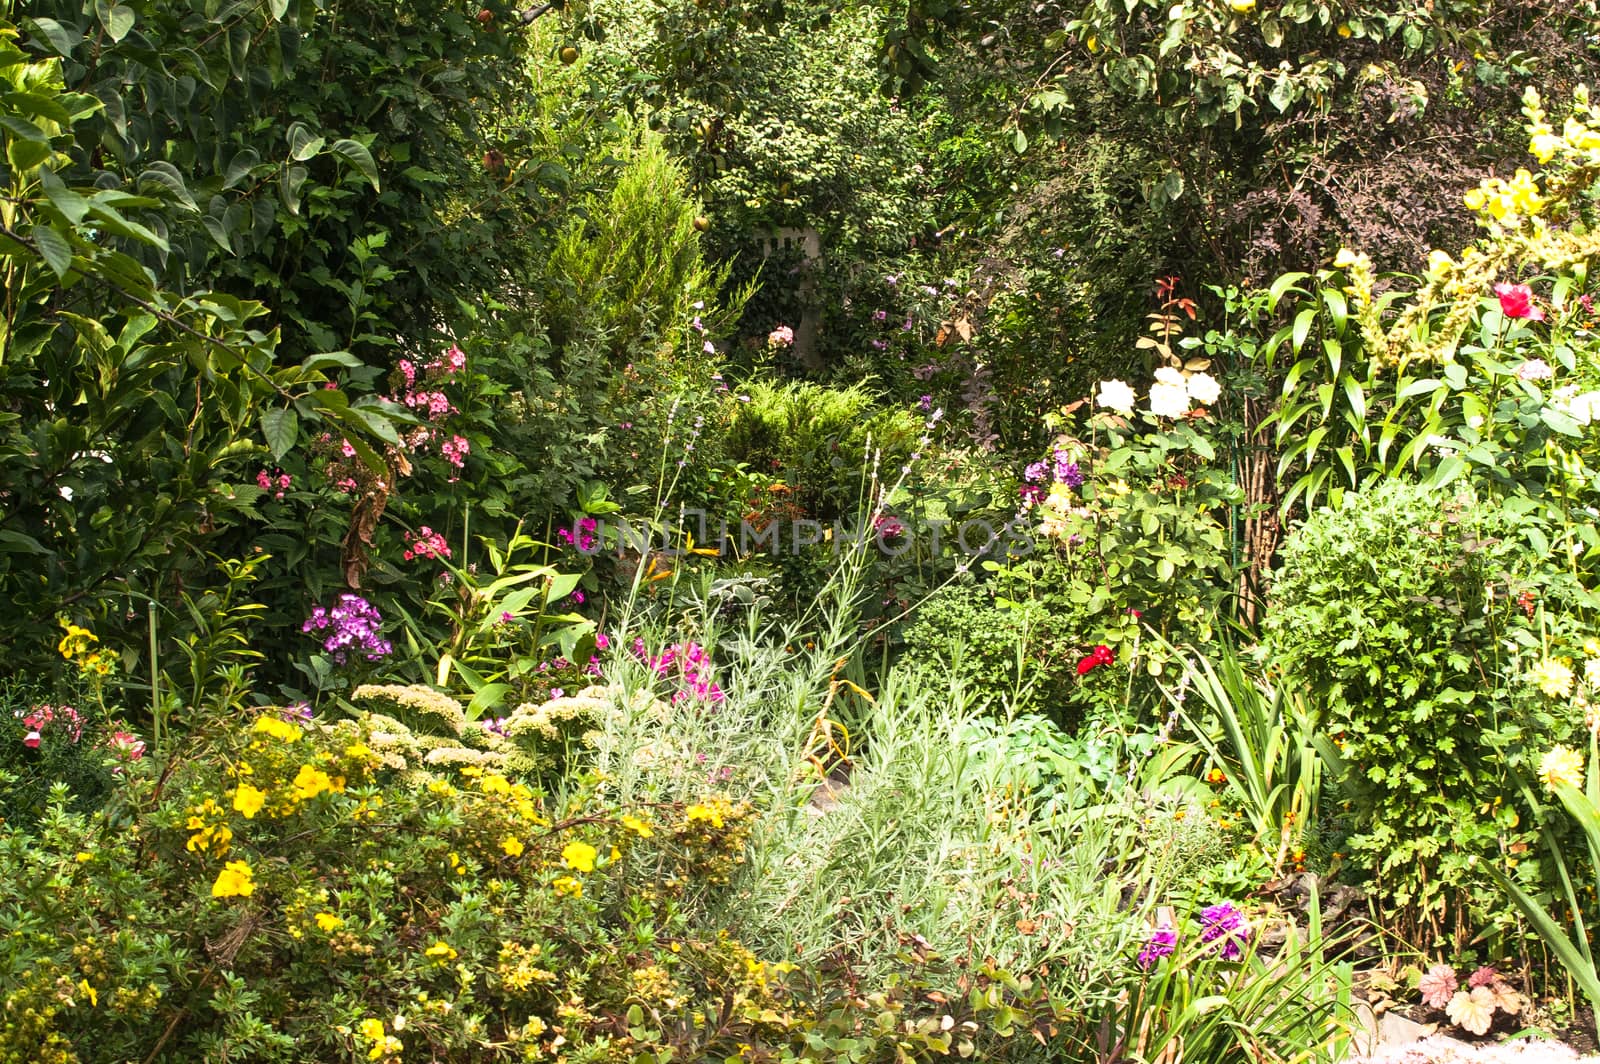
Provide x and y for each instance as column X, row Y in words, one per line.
column 880, row 316
column 925, row 403
column 1161, row 943
column 355, row 626
column 1223, row 921
column 1034, row 473
column 1066, row 471
column 298, row 712
column 879, row 345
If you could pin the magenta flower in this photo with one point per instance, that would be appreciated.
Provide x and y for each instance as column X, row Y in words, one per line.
column 1516, row 301
column 1161, row 943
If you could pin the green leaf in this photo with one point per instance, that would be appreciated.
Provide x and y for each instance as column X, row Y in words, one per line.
column 71, row 204
column 54, row 248
column 356, row 154
column 1019, row 141
column 281, row 428
column 303, row 144
column 61, row 39
column 118, row 20
column 245, row 160
column 289, row 182
column 1560, row 421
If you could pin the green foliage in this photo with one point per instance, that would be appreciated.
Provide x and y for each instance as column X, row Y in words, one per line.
column 1015, row 655
column 1572, row 948
column 824, row 443
column 1397, row 615
column 1262, row 739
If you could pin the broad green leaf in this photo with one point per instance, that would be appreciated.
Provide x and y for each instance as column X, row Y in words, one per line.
column 281, row 427
column 62, row 39
column 290, row 179
column 239, row 167
column 118, row 20
column 357, row 155
column 303, row 144
column 71, row 204
column 54, row 248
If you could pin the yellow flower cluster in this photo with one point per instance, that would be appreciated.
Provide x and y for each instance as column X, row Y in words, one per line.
column 209, row 822
column 235, row 880
column 1506, row 200
column 383, row 1044
column 1578, row 144
column 78, row 647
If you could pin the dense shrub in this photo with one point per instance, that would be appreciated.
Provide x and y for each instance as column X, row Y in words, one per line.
column 1408, row 621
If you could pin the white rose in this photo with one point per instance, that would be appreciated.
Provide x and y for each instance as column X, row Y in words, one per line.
column 1168, row 375
column 1585, row 408
column 1204, row 389
column 1115, row 395
column 1167, row 400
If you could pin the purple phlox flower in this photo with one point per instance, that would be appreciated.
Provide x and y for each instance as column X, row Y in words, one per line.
column 299, row 712
column 356, row 626
column 1163, row 941
column 879, row 345
column 1223, row 921
column 1035, row 473
column 925, row 403
column 880, row 316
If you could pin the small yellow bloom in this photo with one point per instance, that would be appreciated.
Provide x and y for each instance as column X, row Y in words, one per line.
column 637, row 826
column 699, row 811
column 567, row 885
column 1243, row 7
column 235, row 880
column 579, row 856
column 89, row 992
column 441, row 952
column 1344, row 30
column 311, row 781
column 512, row 845
column 328, row 922
column 1562, row 766
column 372, row 1030
column 1439, row 263
column 83, row 857
column 248, row 800
column 281, row 730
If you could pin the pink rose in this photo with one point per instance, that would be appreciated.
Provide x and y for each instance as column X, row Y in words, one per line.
column 31, row 740
column 1516, row 301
